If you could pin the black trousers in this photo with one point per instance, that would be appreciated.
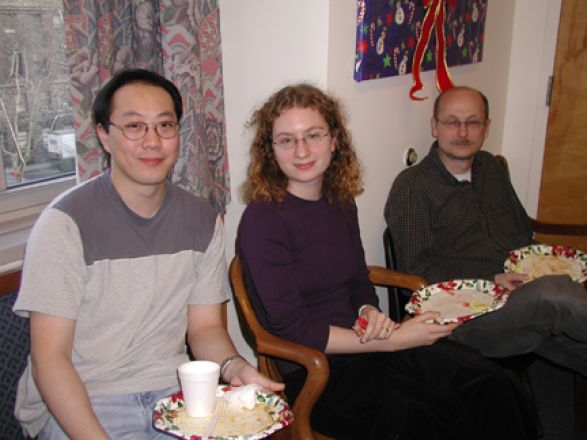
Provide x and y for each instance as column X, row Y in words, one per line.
column 546, row 316
column 437, row 392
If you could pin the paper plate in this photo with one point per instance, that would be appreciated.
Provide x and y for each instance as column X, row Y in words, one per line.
column 169, row 416
column 458, row 300
column 538, row 260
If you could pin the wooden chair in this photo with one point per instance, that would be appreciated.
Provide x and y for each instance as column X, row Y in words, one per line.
column 396, row 296
column 14, row 349
column 269, row 347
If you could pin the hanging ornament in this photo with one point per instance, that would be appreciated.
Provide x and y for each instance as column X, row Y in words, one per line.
column 434, row 17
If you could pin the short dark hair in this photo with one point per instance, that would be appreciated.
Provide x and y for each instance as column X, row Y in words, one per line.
column 101, row 108
column 438, row 100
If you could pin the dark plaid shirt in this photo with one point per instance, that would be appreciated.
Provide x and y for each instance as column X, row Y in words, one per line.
column 445, row 229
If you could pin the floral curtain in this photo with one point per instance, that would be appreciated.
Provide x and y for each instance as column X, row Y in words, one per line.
column 181, row 40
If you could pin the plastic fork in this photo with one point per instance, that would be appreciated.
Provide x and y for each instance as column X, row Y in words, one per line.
column 218, row 412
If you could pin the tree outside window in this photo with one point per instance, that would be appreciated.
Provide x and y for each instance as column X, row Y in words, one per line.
column 37, row 138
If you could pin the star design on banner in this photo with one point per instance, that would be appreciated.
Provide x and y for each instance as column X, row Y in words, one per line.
column 388, row 19
column 362, row 46
column 387, row 61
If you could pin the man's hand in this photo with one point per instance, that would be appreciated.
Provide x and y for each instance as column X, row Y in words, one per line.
column 511, row 281
column 240, row 372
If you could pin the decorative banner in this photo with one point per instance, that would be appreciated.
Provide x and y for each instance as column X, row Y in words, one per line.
column 391, row 32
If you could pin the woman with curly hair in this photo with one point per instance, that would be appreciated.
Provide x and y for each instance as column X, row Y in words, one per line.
column 305, row 270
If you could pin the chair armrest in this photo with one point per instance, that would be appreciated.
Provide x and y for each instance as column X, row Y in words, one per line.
column 548, row 228
column 382, row 276
column 317, row 370
column 9, row 282
column 269, row 345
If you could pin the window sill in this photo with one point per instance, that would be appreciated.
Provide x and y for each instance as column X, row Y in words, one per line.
column 19, row 209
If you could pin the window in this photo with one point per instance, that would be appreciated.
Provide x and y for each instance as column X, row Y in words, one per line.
column 37, row 138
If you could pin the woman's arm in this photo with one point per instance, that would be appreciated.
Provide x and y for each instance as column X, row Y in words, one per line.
column 268, row 261
column 412, row 333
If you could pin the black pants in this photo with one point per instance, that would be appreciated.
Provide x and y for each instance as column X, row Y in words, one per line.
column 546, row 316
column 439, row 392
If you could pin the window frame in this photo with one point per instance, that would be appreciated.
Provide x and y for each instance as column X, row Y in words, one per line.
column 20, row 208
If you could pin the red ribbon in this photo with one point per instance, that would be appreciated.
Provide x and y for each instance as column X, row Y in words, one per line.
column 434, row 17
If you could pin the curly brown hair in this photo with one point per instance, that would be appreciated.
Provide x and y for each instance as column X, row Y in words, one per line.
column 342, row 180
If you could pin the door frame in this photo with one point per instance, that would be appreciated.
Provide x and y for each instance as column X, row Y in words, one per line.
column 533, row 50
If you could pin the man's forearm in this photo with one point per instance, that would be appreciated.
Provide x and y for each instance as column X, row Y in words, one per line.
column 211, row 343
column 66, row 397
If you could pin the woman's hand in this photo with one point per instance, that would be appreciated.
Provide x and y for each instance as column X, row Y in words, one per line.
column 417, row 332
column 373, row 324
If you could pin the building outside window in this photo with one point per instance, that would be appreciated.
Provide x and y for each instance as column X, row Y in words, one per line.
column 37, row 139
column 36, row 134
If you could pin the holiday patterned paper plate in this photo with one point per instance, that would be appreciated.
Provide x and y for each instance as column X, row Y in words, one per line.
column 270, row 414
column 538, row 260
column 458, row 300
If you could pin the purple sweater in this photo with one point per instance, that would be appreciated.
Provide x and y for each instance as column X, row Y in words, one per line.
column 304, row 267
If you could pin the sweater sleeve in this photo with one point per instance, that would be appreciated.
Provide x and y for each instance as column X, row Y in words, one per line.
column 362, row 291
column 267, row 255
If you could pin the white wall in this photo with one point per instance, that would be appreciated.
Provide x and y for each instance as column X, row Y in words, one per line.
column 269, row 43
column 266, row 44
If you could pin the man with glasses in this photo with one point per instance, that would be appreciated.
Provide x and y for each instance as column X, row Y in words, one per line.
column 116, row 271
column 456, row 215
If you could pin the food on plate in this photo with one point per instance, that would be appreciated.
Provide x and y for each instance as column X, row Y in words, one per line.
column 250, row 413
column 537, row 260
column 234, row 421
column 536, row 266
column 456, row 304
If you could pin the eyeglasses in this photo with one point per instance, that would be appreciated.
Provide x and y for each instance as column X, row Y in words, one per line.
column 134, row 131
column 455, row 124
column 314, row 137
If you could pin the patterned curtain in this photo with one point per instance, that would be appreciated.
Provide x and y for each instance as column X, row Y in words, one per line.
column 177, row 38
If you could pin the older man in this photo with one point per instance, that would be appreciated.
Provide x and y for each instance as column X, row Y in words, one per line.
column 456, row 215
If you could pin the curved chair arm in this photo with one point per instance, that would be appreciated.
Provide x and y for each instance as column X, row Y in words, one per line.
column 270, row 345
column 382, row 276
column 318, row 372
column 541, row 227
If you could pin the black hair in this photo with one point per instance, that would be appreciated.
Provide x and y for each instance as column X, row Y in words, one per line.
column 102, row 103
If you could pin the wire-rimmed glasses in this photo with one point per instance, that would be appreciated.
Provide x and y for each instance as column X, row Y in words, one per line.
column 313, row 137
column 455, row 124
column 135, row 131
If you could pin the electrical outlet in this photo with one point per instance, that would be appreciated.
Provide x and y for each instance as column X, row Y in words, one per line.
column 410, row 157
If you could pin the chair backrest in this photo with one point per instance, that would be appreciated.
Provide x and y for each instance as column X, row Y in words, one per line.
column 14, row 349
column 269, row 347
column 397, row 297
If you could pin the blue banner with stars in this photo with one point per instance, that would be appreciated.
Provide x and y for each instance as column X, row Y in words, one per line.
column 388, row 31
